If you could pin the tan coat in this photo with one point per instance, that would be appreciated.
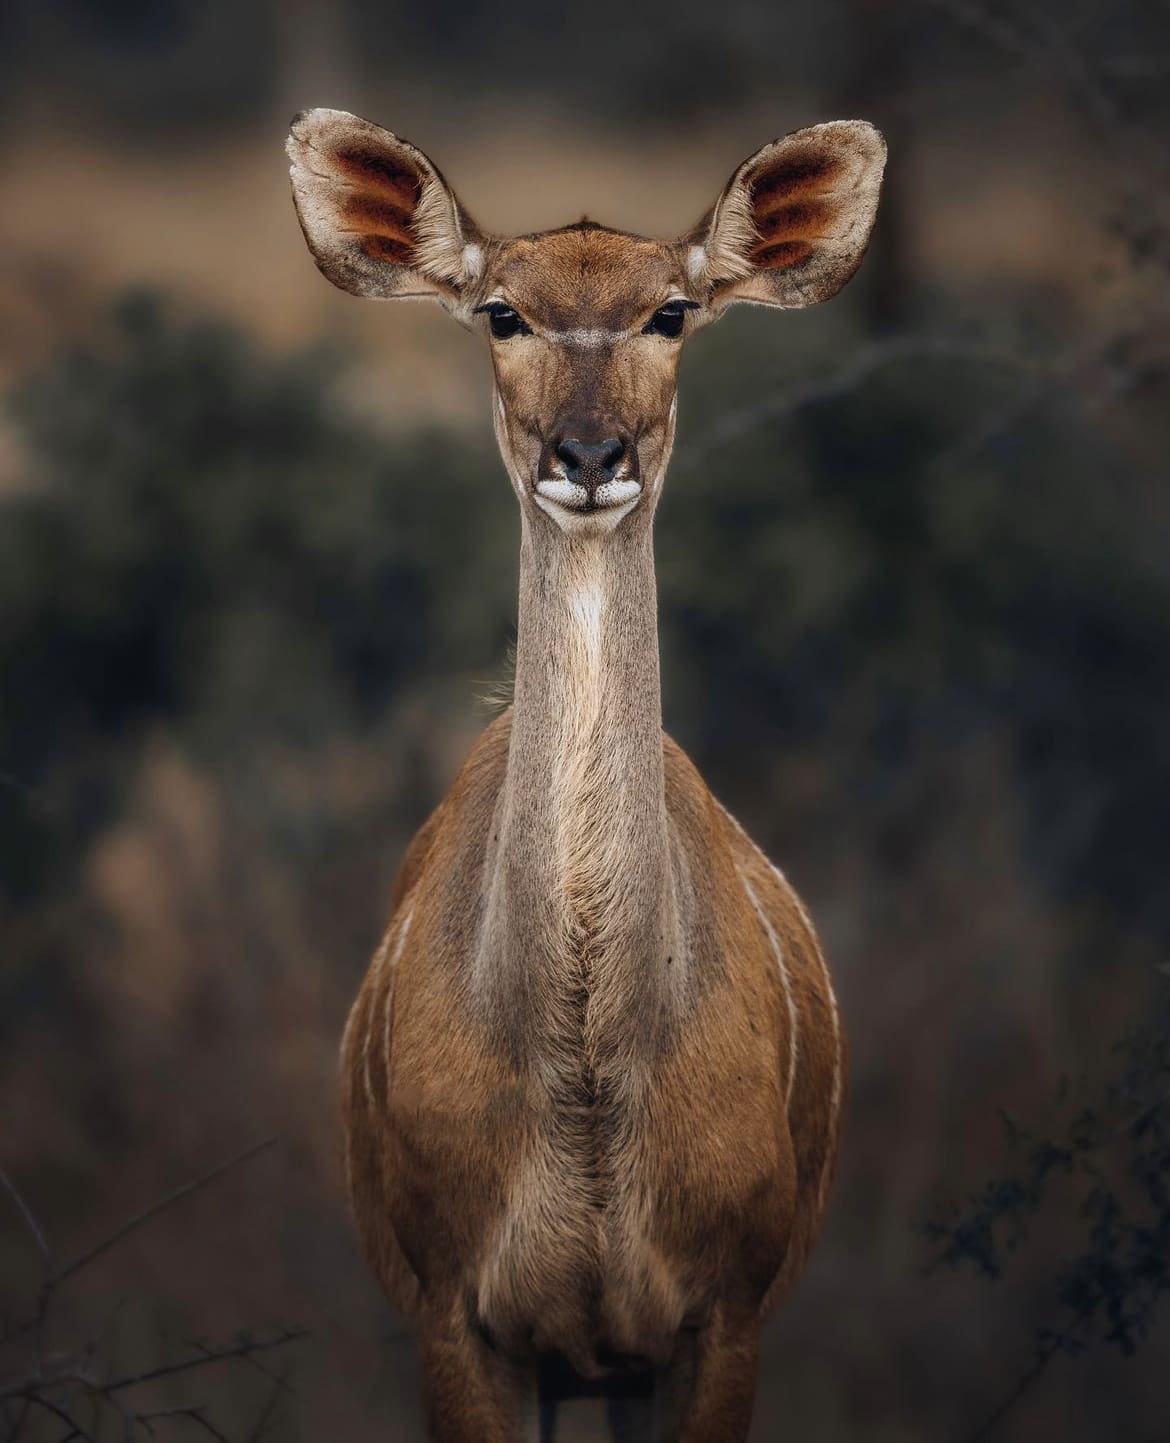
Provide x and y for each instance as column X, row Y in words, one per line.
column 593, row 1079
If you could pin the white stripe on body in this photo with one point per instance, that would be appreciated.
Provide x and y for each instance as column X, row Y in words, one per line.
column 787, row 981
column 381, row 958
column 834, row 1012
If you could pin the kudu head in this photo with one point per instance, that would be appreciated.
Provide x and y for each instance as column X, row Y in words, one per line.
column 585, row 323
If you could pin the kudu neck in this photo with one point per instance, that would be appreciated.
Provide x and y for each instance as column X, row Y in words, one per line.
column 587, row 672
column 584, row 816
column 580, row 896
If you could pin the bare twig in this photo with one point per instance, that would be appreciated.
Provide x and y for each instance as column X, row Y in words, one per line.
column 206, row 1357
column 35, row 1392
column 54, row 1280
column 15, row 1431
column 1046, row 379
column 1040, row 379
column 867, row 362
column 193, row 1415
column 1053, row 51
column 253, row 1362
column 76, row 1430
column 37, row 1389
column 27, row 1214
column 84, row 1259
column 1027, row 1381
column 1009, row 1401
column 265, row 1418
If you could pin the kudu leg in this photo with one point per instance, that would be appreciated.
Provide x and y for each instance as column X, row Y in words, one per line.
column 472, row 1394
column 707, row 1394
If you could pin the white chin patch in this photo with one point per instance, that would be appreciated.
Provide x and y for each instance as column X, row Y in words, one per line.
column 566, row 502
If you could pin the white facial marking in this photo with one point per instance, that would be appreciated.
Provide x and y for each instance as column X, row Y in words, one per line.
column 575, row 497
column 566, row 501
column 696, row 262
column 473, row 260
column 500, row 423
column 656, row 479
column 617, row 492
column 585, row 337
column 565, row 493
column 575, row 522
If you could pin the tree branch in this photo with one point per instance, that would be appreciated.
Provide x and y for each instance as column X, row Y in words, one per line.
column 84, row 1259
column 76, row 1372
column 205, row 1358
column 864, row 364
column 1027, row 1380
column 28, row 1216
column 76, row 1430
column 1053, row 51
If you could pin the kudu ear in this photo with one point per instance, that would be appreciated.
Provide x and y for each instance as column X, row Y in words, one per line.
column 793, row 223
column 378, row 217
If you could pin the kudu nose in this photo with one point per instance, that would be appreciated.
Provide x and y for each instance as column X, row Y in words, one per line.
column 590, row 464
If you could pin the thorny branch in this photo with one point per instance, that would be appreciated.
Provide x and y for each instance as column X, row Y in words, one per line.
column 57, row 1388
column 1115, row 1154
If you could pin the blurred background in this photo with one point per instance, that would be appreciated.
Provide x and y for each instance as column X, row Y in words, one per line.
column 914, row 561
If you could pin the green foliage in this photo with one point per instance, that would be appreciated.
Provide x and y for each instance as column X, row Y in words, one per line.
column 1102, row 1175
column 214, row 542
column 885, row 573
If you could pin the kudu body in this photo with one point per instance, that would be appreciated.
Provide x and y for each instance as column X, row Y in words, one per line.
column 593, row 1078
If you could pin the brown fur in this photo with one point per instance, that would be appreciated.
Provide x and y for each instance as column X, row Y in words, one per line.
column 592, row 1081
column 729, row 1189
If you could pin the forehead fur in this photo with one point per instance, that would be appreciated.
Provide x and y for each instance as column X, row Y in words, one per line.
column 559, row 275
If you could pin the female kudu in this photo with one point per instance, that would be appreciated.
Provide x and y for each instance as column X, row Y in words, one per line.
column 592, row 1080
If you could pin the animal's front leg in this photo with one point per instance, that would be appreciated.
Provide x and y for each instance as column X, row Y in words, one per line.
column 708, row 1393
column 472, row 1394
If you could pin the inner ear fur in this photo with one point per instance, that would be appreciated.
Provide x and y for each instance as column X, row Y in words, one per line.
column 793, row 223
column 378, row 217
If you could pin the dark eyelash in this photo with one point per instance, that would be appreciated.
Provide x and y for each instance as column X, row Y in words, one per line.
column 505, row 322
column 668, row 319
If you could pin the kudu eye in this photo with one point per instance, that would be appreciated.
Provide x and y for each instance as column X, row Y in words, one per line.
column 668, row 320
column 504, row 321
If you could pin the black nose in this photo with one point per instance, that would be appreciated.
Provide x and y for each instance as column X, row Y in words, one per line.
column 591, row 464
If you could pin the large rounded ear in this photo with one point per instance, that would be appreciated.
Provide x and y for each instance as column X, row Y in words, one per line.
column 794, row 221
column 378, row 217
